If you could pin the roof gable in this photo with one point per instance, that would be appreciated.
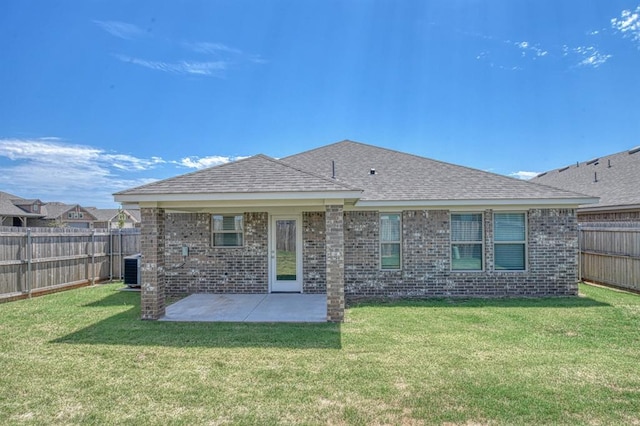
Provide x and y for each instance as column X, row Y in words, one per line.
column 250, row 175
column 10, row 205
column 56, row 210
column 614, row 178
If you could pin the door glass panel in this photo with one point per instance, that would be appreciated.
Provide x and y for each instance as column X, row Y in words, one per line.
column 286, row 250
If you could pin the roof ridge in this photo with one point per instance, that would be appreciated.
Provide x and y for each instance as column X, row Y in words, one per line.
column 596, row 158
column 326, row 146
column 422, row 158
column 316, row 175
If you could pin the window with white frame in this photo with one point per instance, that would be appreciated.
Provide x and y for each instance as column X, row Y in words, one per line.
column 390, row 243
column 510, row 241
column 227, row 230
column 466, row 242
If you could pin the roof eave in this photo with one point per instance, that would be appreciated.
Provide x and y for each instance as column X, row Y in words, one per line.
column 547, row 202
column 601, row 209
column 236, row 196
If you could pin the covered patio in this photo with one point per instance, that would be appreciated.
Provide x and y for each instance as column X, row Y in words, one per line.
column 271, row 307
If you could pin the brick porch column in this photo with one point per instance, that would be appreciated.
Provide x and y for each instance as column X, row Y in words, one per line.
column 334, row 234
column 152, row 263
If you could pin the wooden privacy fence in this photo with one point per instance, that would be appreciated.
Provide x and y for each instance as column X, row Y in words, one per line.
column 36, row 260
column 610, row 253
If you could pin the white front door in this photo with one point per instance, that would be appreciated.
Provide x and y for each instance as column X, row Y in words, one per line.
column 285, row 251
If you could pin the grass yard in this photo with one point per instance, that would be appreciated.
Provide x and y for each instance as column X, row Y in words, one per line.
column 83, row 356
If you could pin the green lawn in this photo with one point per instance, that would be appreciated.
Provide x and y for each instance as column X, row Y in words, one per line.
column 83, row 356
column 286, row 264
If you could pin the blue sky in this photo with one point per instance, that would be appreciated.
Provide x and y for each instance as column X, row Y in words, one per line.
column 99, row 96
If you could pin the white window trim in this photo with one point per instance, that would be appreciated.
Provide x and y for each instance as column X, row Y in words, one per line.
column 399, row 242
column 451, row 243
column 525, row 242
column 214, row 232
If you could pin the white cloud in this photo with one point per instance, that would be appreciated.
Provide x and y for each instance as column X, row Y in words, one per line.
column 120, row 29
column 220, row 55
column 212, row 48
column 628, row 24
column 591, row 56
column 211, row 68
column 129, row 162
column 223, row 51
column 53, row 170
column 524, row 175
column 56, row 171
column 526, row 48
column 204, row 162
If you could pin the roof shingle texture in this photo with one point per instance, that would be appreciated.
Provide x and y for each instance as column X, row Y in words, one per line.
column 254, row 174
column 8, row 208
column 399, row 177
column 617, row 183
column 403, row 177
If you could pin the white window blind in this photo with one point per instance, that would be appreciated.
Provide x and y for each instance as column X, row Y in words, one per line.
column 466, row 241
column 510, row 241
column 228, row 230
column 390, row 234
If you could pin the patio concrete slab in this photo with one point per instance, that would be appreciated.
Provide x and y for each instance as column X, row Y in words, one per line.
column 275, row 307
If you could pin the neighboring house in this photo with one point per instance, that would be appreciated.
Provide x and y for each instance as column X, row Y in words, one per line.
column 615, row 179
column 114, row 218
column 64, row 215
column 351, row 220
column 16, row 211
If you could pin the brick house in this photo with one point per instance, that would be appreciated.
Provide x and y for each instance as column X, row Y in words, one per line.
column 614, row 179
column 64, row 215
column 352, row 220
column 114, row 218
column 17, row 211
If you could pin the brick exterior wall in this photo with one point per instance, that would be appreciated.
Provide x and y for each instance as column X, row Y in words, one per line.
column 335, row 242
column 313, row 254
column 426, row 261
column 341, row 258
column 152, row 273
column 210, row 269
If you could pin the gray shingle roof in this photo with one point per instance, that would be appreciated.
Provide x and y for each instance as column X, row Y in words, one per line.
column 617, row 183
column 403, row 177
column 103, row 215
column 399, row 177
column 254, row 174
column 55, row 210
column 9, row 208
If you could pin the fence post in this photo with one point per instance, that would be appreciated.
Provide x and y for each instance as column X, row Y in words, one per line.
column 29, row 261
column 110, row 254
column 93, row 257
column 120, row 255
column 579, row 253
